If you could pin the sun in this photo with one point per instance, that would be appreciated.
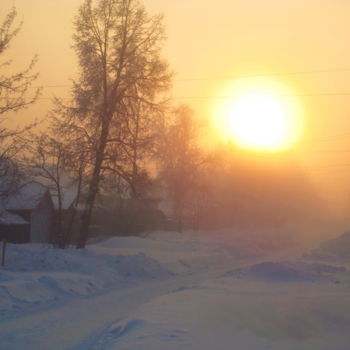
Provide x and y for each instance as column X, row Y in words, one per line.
column 259, row 121
column 261, row 117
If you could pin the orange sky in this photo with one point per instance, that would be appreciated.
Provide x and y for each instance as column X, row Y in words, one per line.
column 226, row 38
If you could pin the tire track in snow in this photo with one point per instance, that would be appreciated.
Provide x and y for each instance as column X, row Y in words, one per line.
column 81, row 323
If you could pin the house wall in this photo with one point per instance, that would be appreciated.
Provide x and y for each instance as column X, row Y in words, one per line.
column 41, row 221
column 15, row 233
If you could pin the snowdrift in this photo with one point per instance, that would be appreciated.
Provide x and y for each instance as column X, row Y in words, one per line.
column 288, row 272
column 218, row 290
column 36, row 277
column 222, row 315
column 337, row 250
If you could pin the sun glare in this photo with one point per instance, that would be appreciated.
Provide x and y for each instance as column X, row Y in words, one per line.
column 260, row 117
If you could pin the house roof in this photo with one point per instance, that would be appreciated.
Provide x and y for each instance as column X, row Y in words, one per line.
column 27, row 197
column 7, row 218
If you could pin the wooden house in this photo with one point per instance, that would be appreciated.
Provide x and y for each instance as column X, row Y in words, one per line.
column 27, row 215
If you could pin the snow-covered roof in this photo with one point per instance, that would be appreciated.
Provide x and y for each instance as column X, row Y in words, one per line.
column 7, row 218
column 27, row 197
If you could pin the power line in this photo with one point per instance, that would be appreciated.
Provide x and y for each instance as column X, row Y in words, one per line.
column 315, row 71
column 328, row 151
column 331, row 169
column 331, row 70
column 332, row 138
column 316, row 94
column 317, row 166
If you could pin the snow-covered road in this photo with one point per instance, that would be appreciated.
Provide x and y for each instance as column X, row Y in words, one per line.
column 53, row 299
column 78, row 324
column 173, row 292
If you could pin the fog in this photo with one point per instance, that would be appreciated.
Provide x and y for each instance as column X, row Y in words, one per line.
column 174, row 181
column 307, row 186
column 252, row 191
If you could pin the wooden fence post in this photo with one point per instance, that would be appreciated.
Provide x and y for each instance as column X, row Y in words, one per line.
column 3, row 252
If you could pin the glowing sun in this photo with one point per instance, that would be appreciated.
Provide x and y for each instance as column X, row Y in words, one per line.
column 261, row 119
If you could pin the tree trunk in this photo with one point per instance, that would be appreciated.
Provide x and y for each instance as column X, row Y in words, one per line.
column 85, row 223
column 68, row 235
column 60, row 237
column 93, row 189
column 86, row 217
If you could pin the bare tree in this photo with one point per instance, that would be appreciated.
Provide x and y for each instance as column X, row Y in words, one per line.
column 118, row 45
column 45, row 160
column 11, row 176
column 59, row 161
column 14, row 87
column 181, row 161
column 139, row 134
column 77, row 163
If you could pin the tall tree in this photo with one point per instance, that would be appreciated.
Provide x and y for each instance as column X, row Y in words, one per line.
column 118, row 45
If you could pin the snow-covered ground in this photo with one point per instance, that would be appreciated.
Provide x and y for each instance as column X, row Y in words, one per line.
column 192, row 290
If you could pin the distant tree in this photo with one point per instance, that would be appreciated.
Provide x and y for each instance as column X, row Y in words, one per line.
column 118, row 45
column 139, row 133
column 11, row 176
column 181, row 162
column 200, row 200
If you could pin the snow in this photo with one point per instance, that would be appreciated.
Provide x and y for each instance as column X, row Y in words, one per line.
column 224, row 315
column 7, row 218
column 193, row 251
column 337, row 249
column 286, row 271
column 41, row 276
column 168, row 290
column 27, row 197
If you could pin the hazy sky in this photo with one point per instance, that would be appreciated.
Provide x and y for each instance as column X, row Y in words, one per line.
column 226, row 38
